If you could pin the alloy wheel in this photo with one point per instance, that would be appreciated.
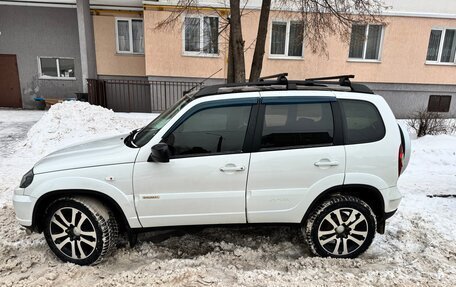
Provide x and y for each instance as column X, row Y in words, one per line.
column 73, row 233
column 343, row 231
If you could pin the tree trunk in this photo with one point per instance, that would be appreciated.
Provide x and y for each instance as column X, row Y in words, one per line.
column 258, row 55
column 230, row 73
column 237, row 42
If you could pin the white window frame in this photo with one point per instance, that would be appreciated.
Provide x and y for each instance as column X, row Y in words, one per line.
column 45, row 77
column 439, row 54
column 366, row 35
column 201, row 53
column 130, row 31
column 287, row 39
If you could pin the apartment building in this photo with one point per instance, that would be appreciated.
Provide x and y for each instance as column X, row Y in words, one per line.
column 410, row 61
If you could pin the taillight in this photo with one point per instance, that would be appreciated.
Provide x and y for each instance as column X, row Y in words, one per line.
column 400, row 164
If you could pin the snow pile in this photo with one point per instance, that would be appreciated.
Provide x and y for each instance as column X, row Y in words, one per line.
column 426, row 153
column 71, row 122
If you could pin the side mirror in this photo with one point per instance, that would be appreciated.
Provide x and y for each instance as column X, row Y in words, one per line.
column 159, row 153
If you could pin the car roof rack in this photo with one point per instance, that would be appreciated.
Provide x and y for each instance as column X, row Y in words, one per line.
column 280, row 82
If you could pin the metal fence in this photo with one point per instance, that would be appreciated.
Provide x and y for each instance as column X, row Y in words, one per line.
column 136, row 95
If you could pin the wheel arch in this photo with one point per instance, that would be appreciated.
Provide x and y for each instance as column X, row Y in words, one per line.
column 43, row 202
column 369, row 194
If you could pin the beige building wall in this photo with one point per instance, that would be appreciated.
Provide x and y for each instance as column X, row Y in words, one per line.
column 165, row 53
column 109, row 62
column 403, row 53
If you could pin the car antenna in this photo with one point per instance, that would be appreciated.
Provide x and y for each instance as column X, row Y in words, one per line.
column 202, row 82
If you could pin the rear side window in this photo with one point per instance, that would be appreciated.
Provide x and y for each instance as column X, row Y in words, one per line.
column 294, row 125
column 363, row 122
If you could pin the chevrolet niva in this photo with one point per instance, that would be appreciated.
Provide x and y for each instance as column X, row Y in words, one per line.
column 324, row 154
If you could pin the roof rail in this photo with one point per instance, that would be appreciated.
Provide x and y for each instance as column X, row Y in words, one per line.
column 282, row 83
column 282, row 77
column 344, row 81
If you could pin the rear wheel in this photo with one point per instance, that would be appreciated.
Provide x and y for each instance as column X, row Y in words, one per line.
column 80, row 230
column 341, row 227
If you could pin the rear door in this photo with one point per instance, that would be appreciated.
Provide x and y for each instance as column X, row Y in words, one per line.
column 299, row 154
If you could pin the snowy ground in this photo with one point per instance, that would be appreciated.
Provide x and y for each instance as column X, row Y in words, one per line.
column 419, row 247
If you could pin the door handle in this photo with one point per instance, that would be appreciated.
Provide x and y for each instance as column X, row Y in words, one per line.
column 232, row 168
column 326, row 163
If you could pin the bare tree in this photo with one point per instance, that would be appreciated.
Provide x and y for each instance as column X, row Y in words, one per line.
column 258, row 54
column 319, row 20
column 424, row 123
column 236, row 43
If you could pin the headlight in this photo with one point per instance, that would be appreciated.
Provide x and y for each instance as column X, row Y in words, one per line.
column 27, row 179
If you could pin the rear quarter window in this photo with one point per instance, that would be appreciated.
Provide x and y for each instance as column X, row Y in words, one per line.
column 362, row 121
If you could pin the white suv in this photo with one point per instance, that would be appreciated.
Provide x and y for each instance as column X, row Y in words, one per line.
column 324, row 155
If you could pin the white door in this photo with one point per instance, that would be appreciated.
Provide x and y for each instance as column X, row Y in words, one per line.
column 299, row 156
column 205, row 180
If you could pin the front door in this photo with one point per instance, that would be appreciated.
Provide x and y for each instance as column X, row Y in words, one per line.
column 10, row 90
column 299, row 156
column 205, row 180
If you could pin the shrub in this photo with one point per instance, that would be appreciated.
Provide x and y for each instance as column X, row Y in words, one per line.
column 424, row 123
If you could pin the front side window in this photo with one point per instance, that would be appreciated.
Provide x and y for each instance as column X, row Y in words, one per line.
column 211, row 131
column 201, row 34
column 287, row 39
column 363, row 122
column 130, row 36
column 297, row 125
column 56, row 68
column 442, row 46
column 148, row 132
column 365, row 42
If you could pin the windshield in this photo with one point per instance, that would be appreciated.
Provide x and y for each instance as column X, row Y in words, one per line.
column 149, row 131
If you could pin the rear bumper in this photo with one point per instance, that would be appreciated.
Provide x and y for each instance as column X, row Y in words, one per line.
column 23, row 207
column 392, row 198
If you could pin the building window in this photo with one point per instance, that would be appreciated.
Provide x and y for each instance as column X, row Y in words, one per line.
column 287, row 39
column 439, row 104
column 365, row 42
column 201, row 35
column 130, row 36
column 442, row 46
column 59, row 68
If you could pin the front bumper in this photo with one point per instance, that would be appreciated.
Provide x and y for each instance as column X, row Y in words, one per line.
column 23, row 207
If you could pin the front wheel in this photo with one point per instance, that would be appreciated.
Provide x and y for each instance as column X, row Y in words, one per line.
column 341, row 227
column 80, row 230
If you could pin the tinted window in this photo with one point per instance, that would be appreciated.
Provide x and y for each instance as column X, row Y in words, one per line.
column 363, row 122
column 214, row 130
column 297, row 125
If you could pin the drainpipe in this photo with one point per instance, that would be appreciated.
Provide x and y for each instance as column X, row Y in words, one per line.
column 86, row 43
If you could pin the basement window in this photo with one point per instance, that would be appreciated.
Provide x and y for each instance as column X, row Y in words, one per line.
column 56, row 68
column 439, row 104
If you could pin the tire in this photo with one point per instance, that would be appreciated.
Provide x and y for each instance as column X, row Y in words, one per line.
column 341, row 227
column 80, row 230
